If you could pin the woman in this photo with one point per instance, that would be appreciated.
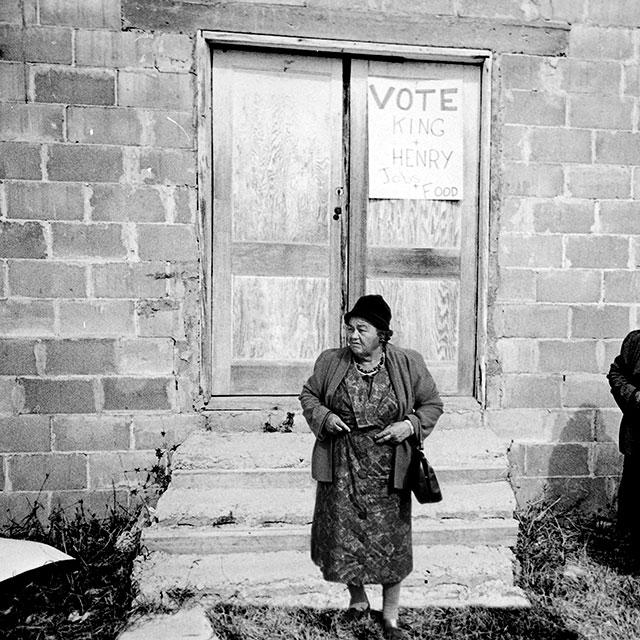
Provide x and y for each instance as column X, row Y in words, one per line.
column 365, row 403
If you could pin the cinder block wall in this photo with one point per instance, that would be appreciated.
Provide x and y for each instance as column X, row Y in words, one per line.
column 99, row 319
column 99, row 275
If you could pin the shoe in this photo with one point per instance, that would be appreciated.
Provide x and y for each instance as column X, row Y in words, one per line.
column 394, row 633
column 356, row 613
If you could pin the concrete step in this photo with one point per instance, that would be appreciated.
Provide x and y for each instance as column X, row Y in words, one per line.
column 459, row 413
column 448, row 575
column 263, row 505
column 234, row 538
column 476, row 451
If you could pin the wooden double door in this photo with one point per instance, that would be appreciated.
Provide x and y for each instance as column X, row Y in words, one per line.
column 297, row 237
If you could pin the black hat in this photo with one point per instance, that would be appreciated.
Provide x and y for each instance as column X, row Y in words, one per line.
column 373, row 309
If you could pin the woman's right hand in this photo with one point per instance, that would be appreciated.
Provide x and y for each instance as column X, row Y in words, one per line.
column 334, row 425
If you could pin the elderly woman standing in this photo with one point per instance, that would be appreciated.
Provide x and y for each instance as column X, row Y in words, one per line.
column 364, row 403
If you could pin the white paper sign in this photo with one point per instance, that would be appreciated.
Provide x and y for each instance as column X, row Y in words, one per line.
column 415, row 139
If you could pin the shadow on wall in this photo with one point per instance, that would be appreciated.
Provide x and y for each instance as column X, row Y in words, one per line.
column 580, row 469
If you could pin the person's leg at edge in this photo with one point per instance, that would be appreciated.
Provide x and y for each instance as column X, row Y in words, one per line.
column 359, row 600
column 390, row 604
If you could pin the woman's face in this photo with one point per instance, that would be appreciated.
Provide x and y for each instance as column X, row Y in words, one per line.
column 362, row 337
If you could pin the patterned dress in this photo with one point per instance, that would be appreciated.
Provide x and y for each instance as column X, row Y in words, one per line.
column 361, row 532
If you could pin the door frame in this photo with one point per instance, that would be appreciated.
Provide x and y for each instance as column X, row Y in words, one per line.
column 205, row 41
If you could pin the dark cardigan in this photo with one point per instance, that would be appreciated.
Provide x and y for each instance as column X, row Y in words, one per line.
column 418, row 400
column 624, row 379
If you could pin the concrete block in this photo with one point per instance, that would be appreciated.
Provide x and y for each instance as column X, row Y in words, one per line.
column 593, row 252
column 516, row 355
column 586, row 390
column 607, row 460
column 114, row 49
column 515, row 143
column 174, row 52
column 44, row 201
column 136, row 394
column 516, row 215
column 185, row 205
column 11, row 43
column 176, row 243
column 590, row 76
column 146, row 356
column 104, row 125
column 559, row 144
column 22, row 240
column 600, row 112
column 531, row 321
column 584, row 494
column 163, row 430
column 25, row 434
column 595, row 43
column 504, row 9
column 572, row 425
column 57, row 396
column 607, row 425
column 87, row 240
column 530, row 390
column 11, row 11
column 26, row 318
column 79, row 357
column 71, row 86
column 48, row 44
column 517, row 285
column 621, row 286
column 630, row 79
column 599, row 322
column 98, row 503
column 129, row 280
column 164, row 166
column 98, row 14
column 105, row 318
column 12, row 81
column 619, row 216
column 537, row 180
column 127, row 204
column 20, row 161
column 160, row 317
column 530, row 73
column 517, row 426
column 569, row 285
column 46, row 279
column 122, row 469
column 563, row 216
column 619, row 147
column 169, row 129
column 598, row 182
column 530, row 251
column 611, row 350
column 622, row 13
column 31, row 122
column 84, row 163
column 17, row 357
column 534, row 108
column 560, row 356
column 155, row 90
column 90, row 433
column 48, row 471
column 557, row 460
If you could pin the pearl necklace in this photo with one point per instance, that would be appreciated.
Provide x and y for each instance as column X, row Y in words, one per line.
column 370, row 372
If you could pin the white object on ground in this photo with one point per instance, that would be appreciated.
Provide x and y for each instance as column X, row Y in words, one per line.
column 18, row 556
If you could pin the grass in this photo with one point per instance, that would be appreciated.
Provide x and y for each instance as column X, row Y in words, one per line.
column 90, row 599
column 576, row 572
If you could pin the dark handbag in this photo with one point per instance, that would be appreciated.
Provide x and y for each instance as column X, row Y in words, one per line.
column 422, row 477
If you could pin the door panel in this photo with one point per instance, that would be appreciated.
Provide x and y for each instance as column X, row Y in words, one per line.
column 421, row 255
column 276, row 249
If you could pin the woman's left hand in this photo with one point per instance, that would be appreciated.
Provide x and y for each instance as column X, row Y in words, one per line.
column 394, row 433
